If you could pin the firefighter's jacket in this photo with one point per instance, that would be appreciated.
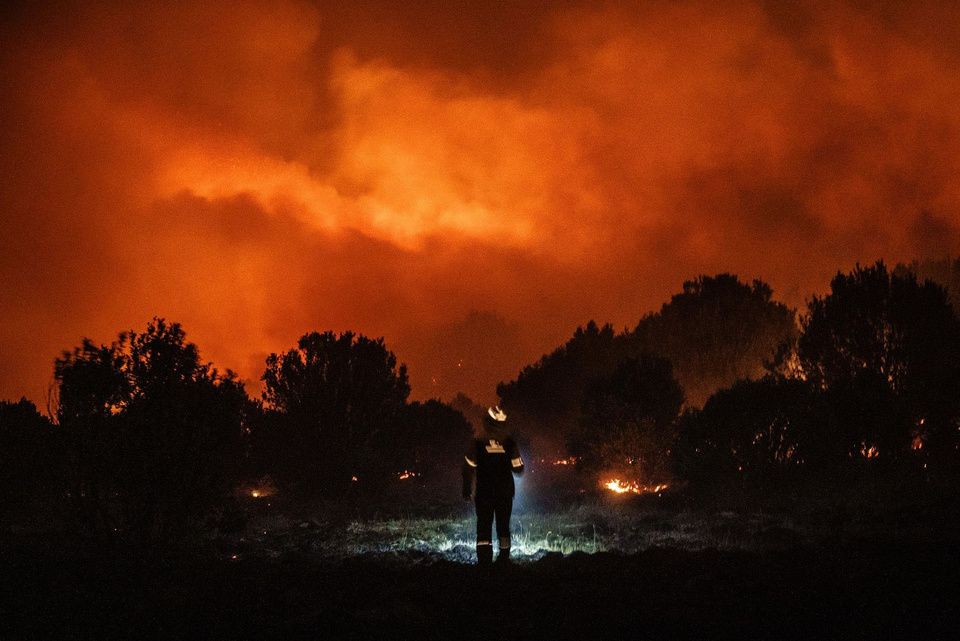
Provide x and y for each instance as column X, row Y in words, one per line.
column 493, row 463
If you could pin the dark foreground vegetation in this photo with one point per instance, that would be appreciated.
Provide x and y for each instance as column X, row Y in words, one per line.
column 782, row 478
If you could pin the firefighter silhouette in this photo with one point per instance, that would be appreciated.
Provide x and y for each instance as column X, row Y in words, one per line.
column 492, row 461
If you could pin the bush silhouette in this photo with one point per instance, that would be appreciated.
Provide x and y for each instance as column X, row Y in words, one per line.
column 154, row 435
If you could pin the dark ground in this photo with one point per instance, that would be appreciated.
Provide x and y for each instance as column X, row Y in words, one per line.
column 865, row 589
column 861, row 559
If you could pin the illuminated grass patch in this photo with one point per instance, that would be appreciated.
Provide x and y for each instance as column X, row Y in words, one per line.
column 586, row 529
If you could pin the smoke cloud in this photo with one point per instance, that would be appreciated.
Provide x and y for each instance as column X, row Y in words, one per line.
column 470, row 182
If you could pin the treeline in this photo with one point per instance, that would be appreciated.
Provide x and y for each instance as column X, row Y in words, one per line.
column 717, row 331
column 150, row 445
column 147, row 443
column 869, row 373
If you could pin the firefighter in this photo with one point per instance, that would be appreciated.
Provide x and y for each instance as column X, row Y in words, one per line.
column 492, row 461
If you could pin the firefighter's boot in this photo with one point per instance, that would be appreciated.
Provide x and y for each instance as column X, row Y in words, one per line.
column 504, row 556
column 484, row 554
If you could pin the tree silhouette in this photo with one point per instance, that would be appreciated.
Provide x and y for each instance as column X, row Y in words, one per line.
column 891, row 345
column 31, row 463
column 154, row 434
column 429, row 439
column 944, row 272
column 715, row 332
column 547, row 397
column 339, row 396
column 628, row 419
column 770, row 425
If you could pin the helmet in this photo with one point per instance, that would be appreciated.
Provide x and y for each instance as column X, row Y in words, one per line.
column 495, row 415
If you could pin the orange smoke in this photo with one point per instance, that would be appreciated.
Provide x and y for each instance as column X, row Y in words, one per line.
column 470, row 182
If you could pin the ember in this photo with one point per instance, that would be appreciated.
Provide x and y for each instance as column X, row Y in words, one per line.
column 406, row 474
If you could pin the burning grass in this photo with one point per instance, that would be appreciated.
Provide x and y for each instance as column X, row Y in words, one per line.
column 634, row 487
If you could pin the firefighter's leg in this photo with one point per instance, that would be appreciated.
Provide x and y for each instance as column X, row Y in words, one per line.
column 504, row 509
column 485, row 511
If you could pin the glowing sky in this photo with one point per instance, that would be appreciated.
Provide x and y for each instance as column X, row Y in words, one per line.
column 468, row 180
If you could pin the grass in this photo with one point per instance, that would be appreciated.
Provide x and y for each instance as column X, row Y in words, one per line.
column 733, row 517
column 590, row 527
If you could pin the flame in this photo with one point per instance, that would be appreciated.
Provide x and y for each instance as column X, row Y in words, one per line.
column 407, row 474
column 566, row 461
column 621, row 487
column 260, row 490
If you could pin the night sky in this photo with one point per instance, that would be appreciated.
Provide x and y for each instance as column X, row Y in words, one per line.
column 467, row 179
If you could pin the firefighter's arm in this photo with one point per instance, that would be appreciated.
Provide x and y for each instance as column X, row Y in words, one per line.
column 516, row 461
column 469, row 471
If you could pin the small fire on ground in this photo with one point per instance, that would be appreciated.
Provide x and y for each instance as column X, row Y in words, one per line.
column 564, row 461
column 622, row 487
column 260, row 489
